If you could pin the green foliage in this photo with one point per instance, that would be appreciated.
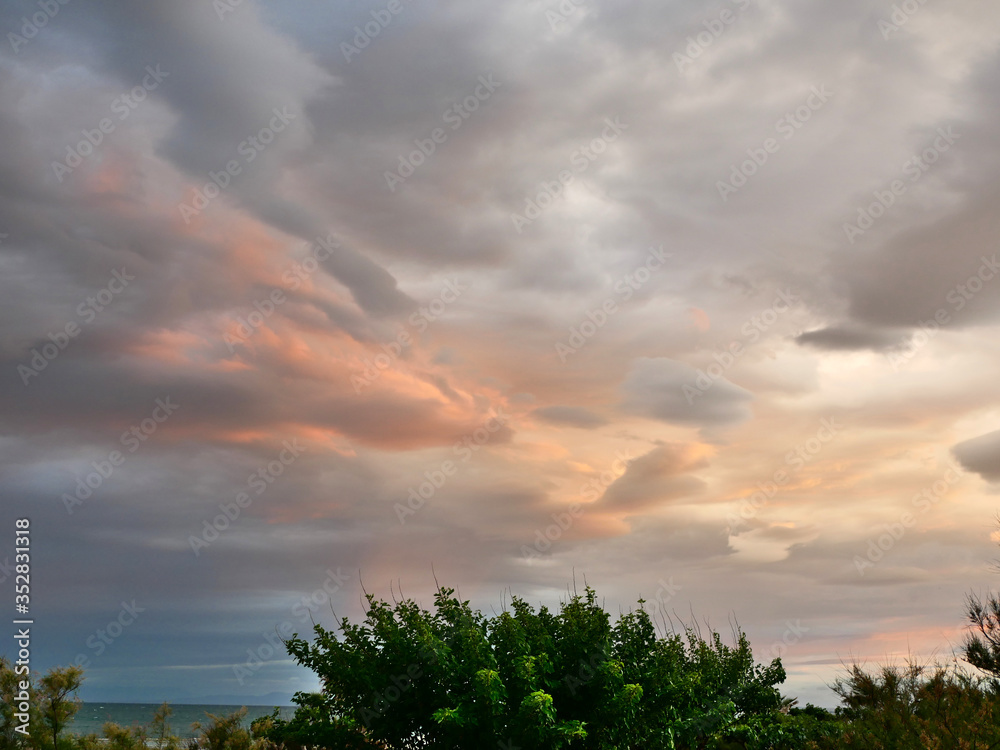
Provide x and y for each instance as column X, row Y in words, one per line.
column 918, row 708
column 89, row 742
column 159, row 729
column 982, row 648
column 57, row 700
column 452, row 678
column 118, row 737
column 798, row 730
column 52, row 703
column 221, row 733
column 137, row 737
column 10, row 738
column 312, row 727
column 224, row 732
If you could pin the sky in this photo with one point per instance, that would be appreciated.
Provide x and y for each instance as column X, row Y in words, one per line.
column 696, row 302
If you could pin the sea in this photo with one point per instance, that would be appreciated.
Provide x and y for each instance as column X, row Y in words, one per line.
column 92, row 716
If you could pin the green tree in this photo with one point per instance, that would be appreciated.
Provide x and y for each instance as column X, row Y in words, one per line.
column 117, row 737
column 52, row 703
column 982, row 648
column 224, row 732
column 454, row 679
column 137, row 737
column 313, row 726
column 56, row 699
column 917, row 707
column 10, row 738
column 159, row 729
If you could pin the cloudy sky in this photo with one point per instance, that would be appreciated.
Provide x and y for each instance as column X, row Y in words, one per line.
column 697, row 300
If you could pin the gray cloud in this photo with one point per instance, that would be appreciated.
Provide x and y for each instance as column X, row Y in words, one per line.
column 981, row 455
column 849, row 339
column 657, row 477
column 675, row 392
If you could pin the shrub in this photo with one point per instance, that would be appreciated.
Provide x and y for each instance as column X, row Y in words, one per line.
column 407, row 677
column 918, row 708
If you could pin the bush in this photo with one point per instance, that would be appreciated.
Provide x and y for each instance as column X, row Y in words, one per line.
column 118, row 737
column 918, row 708
column 453, row 678
column 52, row 705
column 224, row 733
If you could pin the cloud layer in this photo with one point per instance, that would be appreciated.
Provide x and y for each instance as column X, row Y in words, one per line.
column 291, row 294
